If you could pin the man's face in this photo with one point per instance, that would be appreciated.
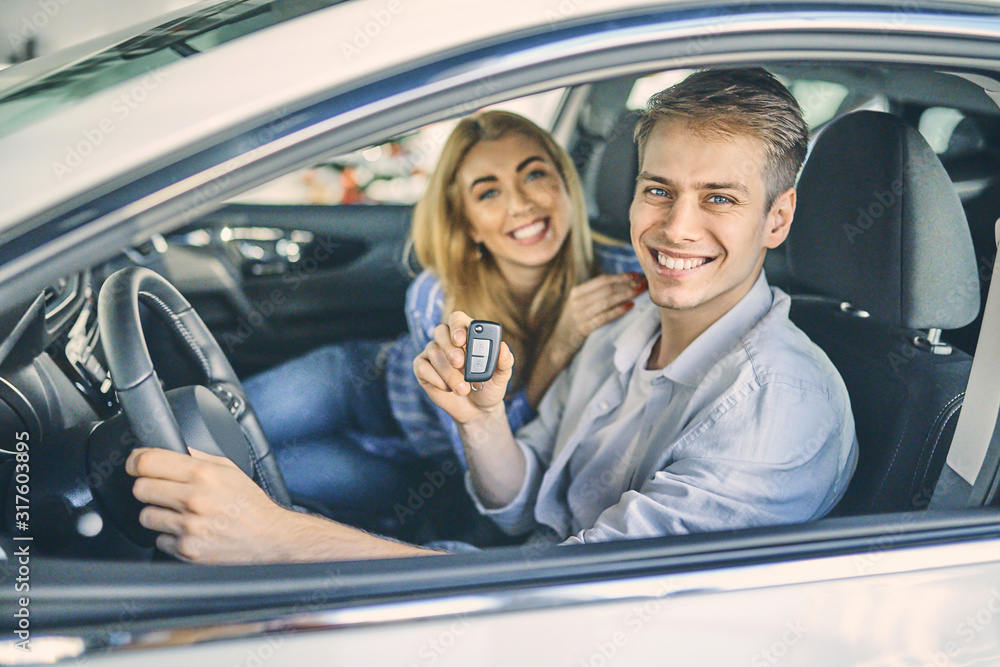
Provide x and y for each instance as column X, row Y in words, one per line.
column 698, row 221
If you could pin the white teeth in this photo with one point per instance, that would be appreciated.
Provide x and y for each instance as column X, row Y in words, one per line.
column 529, row 231
column 677, row 263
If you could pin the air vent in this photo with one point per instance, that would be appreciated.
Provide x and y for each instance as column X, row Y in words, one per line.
column 60, row 295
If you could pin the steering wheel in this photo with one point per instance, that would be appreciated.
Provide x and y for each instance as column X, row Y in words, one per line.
column 213, row 416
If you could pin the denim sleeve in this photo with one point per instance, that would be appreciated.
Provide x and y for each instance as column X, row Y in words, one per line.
column 424, row 311
column 424, row 308
column 777, row 456
column 519, row 411
column 426, row 429
column 615, row 258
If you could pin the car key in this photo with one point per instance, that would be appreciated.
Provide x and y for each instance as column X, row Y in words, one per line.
column 481, row 351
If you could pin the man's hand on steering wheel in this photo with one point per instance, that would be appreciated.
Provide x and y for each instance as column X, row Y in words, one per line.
column 212, row 416
column 206, row 509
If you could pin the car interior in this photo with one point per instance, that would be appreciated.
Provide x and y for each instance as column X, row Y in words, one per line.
column 896, row 305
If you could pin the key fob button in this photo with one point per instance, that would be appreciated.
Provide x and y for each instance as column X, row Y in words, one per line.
column 480, row 348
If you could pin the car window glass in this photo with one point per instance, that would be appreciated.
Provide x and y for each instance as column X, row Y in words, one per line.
column 647, row 86
column 394, row 172
column 937, row 124
column 819, row 100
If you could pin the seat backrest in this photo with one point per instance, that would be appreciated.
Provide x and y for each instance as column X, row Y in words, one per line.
column 881, row 240
column 617, row 168
column 612, row 177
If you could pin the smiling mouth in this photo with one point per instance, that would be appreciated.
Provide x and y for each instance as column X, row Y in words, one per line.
column 679, row 263
column 531, row 231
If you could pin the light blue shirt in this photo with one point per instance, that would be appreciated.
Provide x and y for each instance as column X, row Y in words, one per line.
column 750, row 425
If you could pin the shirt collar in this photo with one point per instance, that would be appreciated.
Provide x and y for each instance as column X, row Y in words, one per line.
column 706, row 350
column 631, row 341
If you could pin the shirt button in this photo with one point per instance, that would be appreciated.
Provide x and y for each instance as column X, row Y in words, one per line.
column 603, row 405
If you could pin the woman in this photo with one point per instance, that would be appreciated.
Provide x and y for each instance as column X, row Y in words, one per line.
column 502, row 233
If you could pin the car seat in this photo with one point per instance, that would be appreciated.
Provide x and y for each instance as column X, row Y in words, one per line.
column 881, row 240
column 612, row 180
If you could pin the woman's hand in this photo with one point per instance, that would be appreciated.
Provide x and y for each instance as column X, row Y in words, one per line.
column 440, row 368
column 590, row 306
column 593, row 304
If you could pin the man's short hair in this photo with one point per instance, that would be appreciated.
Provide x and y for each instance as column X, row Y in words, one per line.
column 747, row 101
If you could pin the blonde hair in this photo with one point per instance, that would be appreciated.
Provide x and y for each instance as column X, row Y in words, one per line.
column 443, row 243
column 737, row 101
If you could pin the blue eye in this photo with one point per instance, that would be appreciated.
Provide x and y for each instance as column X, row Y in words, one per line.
column 537, row 173
column 720, row 199
column 488, row 194
column 659, row 192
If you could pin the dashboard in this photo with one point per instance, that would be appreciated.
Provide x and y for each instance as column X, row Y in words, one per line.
column 55, row 388
column 268, row 282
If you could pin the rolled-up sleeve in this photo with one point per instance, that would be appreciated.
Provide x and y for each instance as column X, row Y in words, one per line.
column 517, row 517
column 742, row 470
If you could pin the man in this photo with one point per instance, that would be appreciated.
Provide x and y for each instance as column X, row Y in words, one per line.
column 703, row 409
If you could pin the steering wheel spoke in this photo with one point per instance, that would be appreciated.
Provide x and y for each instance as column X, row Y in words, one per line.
column 233, row 397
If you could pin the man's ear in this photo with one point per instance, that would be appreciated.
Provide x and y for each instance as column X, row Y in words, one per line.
column 779, row 219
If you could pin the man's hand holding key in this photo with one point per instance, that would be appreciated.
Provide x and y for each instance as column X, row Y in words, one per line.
column 441, row 370
column 496, row 464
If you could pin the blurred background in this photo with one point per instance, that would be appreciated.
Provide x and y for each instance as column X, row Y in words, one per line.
column 394, row 172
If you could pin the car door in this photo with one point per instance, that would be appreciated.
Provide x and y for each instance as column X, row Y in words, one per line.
column 272, row 281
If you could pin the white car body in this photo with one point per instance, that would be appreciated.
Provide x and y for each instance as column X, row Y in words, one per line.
column 920, row 588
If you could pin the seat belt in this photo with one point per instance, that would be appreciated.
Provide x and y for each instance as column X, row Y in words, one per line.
column 981, row 405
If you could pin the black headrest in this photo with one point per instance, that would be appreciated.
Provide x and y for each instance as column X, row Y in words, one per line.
column 878, row 224
column 616, row 174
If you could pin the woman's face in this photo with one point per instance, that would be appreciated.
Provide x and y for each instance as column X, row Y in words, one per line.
column 515, row 201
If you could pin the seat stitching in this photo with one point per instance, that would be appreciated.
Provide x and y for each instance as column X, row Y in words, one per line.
column 255, row 463
column 895, row 453
column 937, row 429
